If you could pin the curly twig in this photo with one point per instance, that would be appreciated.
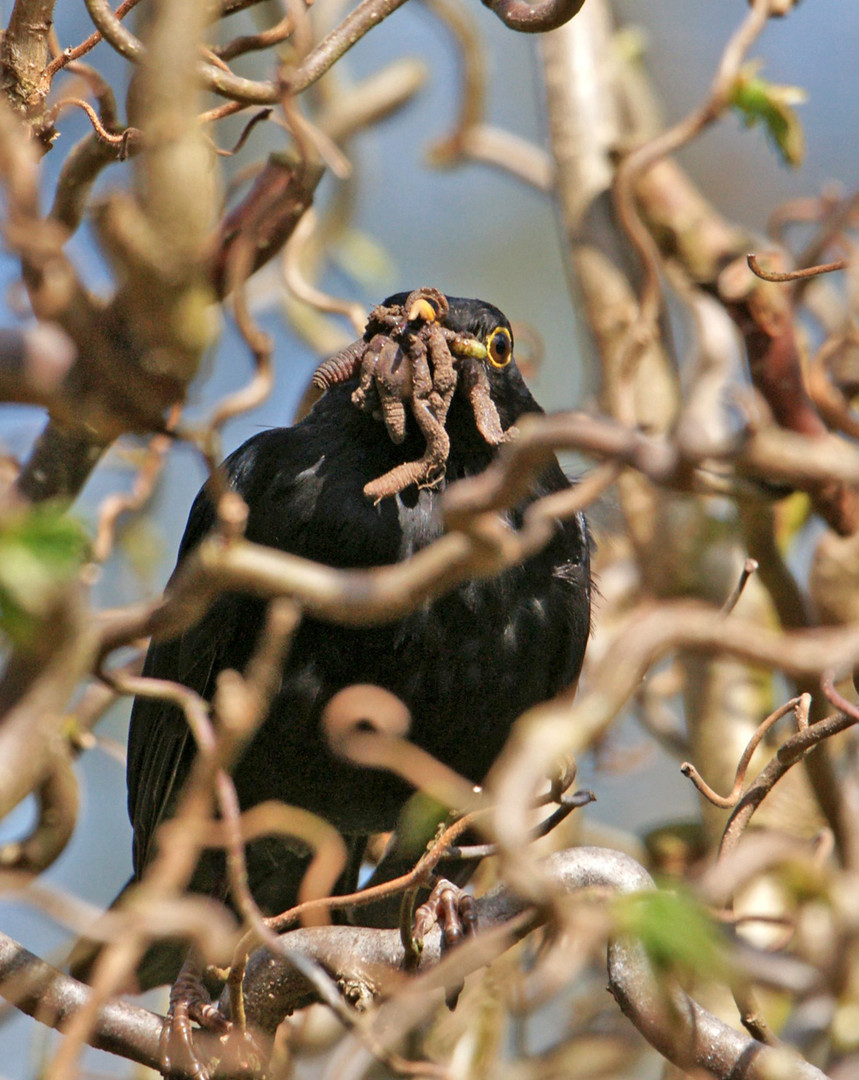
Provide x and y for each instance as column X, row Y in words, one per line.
column 795, row 275
column 728, row 802
column 120, row 140
column 114, row 506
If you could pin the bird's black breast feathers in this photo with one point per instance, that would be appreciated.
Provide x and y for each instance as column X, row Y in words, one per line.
column 466, row 664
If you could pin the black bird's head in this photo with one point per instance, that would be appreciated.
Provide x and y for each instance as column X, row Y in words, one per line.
column 491, row 347
column 437, row 368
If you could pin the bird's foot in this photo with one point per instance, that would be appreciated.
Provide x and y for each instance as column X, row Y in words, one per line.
column 456, row 914
column 452, row 908
column 189, row 1004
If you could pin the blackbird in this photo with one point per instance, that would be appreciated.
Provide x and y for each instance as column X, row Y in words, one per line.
column 466, row 664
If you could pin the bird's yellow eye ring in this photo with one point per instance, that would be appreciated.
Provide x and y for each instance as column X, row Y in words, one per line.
column 499, row 347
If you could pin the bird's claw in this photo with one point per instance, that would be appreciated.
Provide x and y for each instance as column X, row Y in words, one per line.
column 453, row 909
column 189, row 1005
column 456, row 914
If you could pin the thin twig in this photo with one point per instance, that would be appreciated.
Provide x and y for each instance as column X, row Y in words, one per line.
column 795, row 275
column 114, row 506
column 114, row 139
column 728, row 802
column 229, row 108
column 257, row 118
column 749, row 567
column 67, row 55
column 254, row 42
column 358, row 22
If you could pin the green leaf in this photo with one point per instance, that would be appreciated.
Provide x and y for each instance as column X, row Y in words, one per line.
column 419, row 823
column 761, row 102
column 678, row 936
column 40, row 552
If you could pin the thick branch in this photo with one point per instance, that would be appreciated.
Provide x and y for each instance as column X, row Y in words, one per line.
column 42, row 991
column 356, row 957
column 534, row 18
column 23, row 59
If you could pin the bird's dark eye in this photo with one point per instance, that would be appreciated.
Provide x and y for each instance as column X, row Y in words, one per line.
column 499, row 347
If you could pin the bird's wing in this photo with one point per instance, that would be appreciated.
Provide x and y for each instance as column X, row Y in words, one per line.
column 160, row 744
